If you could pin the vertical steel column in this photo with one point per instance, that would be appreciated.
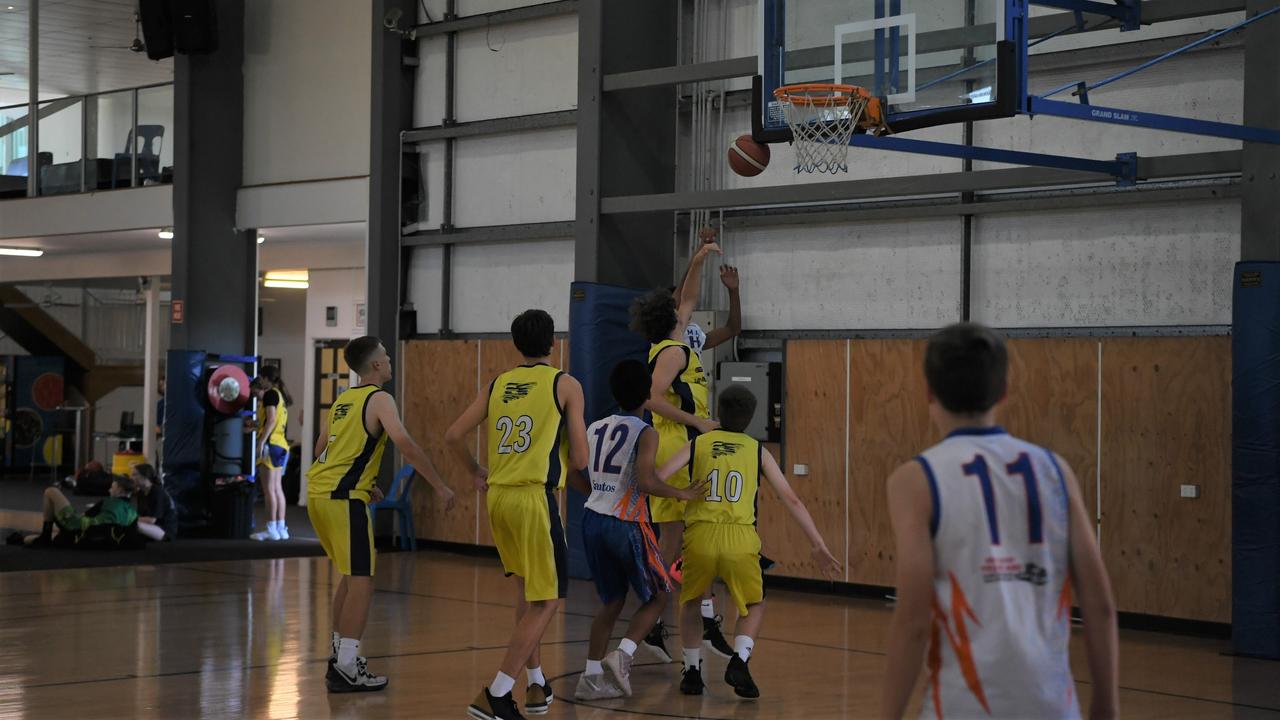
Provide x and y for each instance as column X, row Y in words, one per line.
column 966, row 221
column 133, row 146
column 33, row 98
column 150, row 368
column 84, row 142
column 1260, row 213
column 446, row 209
column 626, row 141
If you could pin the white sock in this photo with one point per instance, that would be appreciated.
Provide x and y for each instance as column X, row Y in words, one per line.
column 333, row 646
column 594, row 667
column 536, row 677
column 628, row 647
column 502, row 684
column 708, row 608
column 693, row 657
column 743, row 645
column 348, row 649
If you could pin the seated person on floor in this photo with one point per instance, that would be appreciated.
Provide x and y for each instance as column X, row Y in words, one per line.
column 114, row 510
column 157, row 515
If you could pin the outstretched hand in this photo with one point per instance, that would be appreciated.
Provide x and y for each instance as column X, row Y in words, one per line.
column 708, row 248
column 827, row 562
column 445, row 493
column 696, row 489
column 707, row 234
column 729, row 277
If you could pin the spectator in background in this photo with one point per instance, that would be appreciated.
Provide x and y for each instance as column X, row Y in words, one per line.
column 114, row 510
column 157, row 515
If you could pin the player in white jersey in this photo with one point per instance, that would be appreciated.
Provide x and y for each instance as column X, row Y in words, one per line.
column 992, row 540
column 622, row 550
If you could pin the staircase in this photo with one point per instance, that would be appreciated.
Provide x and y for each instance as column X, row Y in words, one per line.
column 39, row 333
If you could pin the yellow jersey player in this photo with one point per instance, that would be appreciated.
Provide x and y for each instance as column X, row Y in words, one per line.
column 340, row 485
column 273, row 448
column 533, row 418
column 678, row 401
column 720, row 538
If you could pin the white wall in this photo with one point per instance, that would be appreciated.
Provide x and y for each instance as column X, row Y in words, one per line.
column 306, row 89
column 492, row 283
column 283, row 336
column 342, row 289
column 1154, row 265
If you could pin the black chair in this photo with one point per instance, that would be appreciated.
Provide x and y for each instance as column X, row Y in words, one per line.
column 150, row 140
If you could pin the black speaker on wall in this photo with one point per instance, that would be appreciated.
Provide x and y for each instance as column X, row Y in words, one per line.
column 185, row 26
column 157, row 29
column 195, row 26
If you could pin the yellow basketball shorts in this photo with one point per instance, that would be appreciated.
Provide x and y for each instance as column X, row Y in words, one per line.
column 525, row 521
column 671, row 438
column 277, row 458
column 345, row 530
column 728, row 552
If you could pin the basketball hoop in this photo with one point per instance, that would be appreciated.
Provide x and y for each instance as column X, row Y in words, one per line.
column 822, row 117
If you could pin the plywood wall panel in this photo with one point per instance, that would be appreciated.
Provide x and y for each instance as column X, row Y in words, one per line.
column 1166, row 421
column 889, row 426
column 815, row 435
column 439, row 381
column 1053, row 402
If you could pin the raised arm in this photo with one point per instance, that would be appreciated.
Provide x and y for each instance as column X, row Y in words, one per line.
column 569, row 394
column 383, row 407
column 647, row 473
column 688, row 300
column 910, row 510
column 456, row 438
column 773, row 474
column 669, row 365
column 1097, row 605
column 721, row 335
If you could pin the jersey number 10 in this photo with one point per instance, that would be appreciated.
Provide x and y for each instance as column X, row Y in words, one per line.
column 732, row 486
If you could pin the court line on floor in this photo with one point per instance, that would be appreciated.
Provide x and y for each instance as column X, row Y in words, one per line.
column 263, row 666
column 97, row 611
column 786, row 641
column 590, row 616
column 165, row 598
column 7, row 595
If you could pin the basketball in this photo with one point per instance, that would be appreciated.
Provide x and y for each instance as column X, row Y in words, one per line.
column 747, row 157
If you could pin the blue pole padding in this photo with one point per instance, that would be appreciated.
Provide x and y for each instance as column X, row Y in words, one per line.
column 1255, row 460
column 600, row 337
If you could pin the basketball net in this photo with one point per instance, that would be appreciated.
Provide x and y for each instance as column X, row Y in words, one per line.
column 822, row 118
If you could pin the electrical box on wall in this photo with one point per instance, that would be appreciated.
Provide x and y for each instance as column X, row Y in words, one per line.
column 764, row 380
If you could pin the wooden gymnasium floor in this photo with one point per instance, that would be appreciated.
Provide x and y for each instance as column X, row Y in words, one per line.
column 250, row 639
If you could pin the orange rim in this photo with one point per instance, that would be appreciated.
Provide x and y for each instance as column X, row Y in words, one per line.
column 821, row 94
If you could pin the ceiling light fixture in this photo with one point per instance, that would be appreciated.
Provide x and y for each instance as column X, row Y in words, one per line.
column 21, row 252
column 166, row 233
column 262, row 239
column 293, row 279
column 291, row 284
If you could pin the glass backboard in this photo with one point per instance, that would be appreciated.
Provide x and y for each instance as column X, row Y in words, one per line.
column 933, row 61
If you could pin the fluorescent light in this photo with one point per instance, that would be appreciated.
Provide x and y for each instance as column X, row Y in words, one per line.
column 292, row 284
column 261, row 239
column 166, row 233
column 294, row 275
column 21, row 252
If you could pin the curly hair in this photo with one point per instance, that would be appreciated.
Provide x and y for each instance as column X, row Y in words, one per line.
column 654, row 315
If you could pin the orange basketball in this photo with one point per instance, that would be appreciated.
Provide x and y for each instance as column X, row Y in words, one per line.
column 747, row 157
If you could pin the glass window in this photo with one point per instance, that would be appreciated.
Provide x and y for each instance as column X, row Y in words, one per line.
column 60, row 137
column 110, row 125
column 155, row 135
